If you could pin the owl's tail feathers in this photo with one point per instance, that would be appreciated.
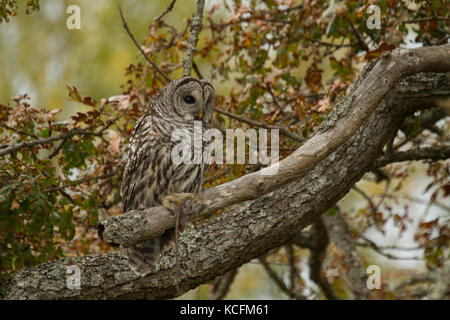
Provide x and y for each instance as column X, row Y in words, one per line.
column 143, row 256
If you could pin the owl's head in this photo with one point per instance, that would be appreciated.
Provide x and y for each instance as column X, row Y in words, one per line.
column 189, row 98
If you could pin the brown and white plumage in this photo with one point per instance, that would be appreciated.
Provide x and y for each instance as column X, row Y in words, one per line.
column 150, row 173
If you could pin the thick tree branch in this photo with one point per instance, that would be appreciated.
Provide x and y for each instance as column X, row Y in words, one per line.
column 307, row 183
column 432, row 154
column 340, row 235
column 196, row 27
column 341, row 124
column 317, row 255
column 303, row 240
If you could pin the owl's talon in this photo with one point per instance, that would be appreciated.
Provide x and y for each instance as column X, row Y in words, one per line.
column 176, row 203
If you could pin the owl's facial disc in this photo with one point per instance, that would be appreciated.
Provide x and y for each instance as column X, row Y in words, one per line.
column 193, row 99
column 209, row 99
column 193, row 103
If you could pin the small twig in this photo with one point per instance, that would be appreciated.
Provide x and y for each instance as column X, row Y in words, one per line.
column 20, row 131
column 427, row 20
column 431, row 153
column 279, row 282
column 298, row 7
column 169, row 8
column 329, row 44
column 369, row 243
column 196, row 27
column 57, row 149
column 432, row 203
column 124, row 24
column 367, row 198
column 197, row 70
column 67, row 196
column 222, row 284
column 360, row 39
column 303, row 240
column 293, row 272
column 401, row 289
column 274, row 98
column 100, row 133
column 105, row 176
column 261, row 125
column 29, row 144
column 384, row 195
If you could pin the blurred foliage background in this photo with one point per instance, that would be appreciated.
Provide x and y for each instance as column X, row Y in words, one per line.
column 39, row 55
column 267, row 62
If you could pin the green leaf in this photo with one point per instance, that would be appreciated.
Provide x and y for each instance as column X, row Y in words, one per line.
column 75, row 153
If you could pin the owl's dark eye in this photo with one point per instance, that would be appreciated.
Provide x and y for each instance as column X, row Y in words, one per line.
column 189, row 99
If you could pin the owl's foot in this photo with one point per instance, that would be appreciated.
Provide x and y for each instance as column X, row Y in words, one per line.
column 178, row 203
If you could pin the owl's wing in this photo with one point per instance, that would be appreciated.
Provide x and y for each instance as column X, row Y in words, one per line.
column 147, row 146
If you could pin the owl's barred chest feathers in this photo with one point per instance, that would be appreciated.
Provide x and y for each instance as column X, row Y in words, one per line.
column 151, row 172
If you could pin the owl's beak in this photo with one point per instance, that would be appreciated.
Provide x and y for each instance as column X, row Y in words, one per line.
column 200, row 114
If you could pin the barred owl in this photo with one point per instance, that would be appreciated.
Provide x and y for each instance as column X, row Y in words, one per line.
column 150, row 172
